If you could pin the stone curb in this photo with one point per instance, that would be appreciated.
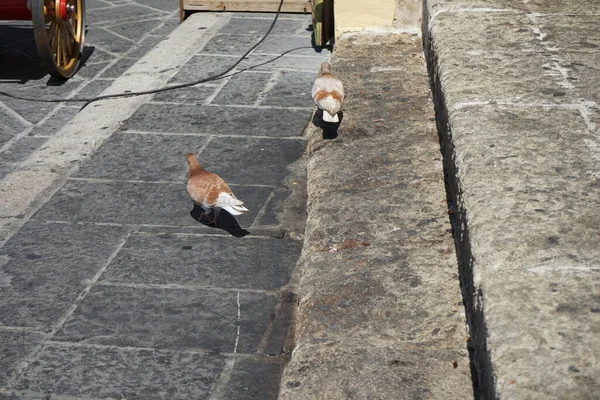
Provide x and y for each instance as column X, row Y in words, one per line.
column 517, row 104
column 380, row 312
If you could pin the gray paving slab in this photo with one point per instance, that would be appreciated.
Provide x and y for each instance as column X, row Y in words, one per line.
column 284, row 27
column 221, row 262
column 292, row 89
column 198, row 94
column 175, row 319
column 129, row 12
column 243, row 89
column 582, row 69
column 109, row 42
column 157, row 4
column 47, row 266
column 134, row 30
column 229, row 44
column 95, row 88
column 88, row 372
column 9, row 126
column 202, row 66
column 219, row 120
column 16, row 345
column 277, row 45
column 6, row 168
column 118, row 68
column 55, row 121
column 287, row 62
column 34, row 113
column 145, row 157
column 106, row 41
column 156, row 36
column 254, row 380
column 242, row 160
column 92, row 69
column 136, row 203
column 23, row 147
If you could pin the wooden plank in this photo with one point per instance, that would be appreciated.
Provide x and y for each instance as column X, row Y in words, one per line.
column 292, row 6
column 322, row 16
column 317, row 20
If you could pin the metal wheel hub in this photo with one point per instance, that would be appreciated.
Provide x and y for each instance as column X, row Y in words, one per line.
column 65, row 10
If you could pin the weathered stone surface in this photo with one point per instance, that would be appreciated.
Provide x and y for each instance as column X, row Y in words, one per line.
column 202, row 66
column 228, row 44
column 153, row 157
column 176, row 319
column 89, row 372
column 222, row 262
column 242, row 160
column 293, row 89
column 45, row 268
column 243, row 89
column 55, row 122
column 253, row 379
column 291, row 62
column 535, row 6
column 21, row 149
column 218, row 120
column 379, row 294
column 99, row 287
column 519, row 132
column 240, row 24
column 15, row 347
column 360, row 370
column 198, row 94
column 136, row 203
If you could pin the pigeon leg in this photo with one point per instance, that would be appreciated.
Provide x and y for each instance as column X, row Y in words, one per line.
column 216, row 212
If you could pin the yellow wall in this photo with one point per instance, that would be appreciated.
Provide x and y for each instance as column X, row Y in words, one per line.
column 358, row 15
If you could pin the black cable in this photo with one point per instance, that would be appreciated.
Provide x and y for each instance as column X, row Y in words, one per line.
column 218, row 76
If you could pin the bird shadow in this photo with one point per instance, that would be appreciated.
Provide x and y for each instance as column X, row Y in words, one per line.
column 330, row 129
column 225, row 221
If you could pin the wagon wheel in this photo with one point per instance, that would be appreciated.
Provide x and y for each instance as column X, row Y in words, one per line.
column 59, row 30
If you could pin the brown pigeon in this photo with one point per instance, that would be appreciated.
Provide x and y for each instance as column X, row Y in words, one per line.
column 211, row 192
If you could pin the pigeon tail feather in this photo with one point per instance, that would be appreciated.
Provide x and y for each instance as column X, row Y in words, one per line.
column 235, row 210
column 329, row 118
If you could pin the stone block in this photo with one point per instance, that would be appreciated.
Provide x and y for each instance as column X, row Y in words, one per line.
column 178, row 319
column 221, row 262
column 47, row 266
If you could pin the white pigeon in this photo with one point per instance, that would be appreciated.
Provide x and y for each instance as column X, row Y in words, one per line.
column 328, row 93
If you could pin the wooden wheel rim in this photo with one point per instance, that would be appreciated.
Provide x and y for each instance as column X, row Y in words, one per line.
column 59, row 30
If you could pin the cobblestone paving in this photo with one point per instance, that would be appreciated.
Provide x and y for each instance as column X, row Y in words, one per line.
column 111, row 289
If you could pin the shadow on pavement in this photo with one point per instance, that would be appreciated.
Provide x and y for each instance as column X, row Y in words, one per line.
column 19, row 58
column 225, row 221
column 330, row 129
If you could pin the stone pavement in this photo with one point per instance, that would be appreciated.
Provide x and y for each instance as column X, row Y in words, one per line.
column 109, row 288
column 518, row 100
column 118, row 34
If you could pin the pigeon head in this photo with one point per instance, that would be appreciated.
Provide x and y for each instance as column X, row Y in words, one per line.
column 193, row 160
column 325, row 68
